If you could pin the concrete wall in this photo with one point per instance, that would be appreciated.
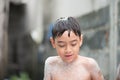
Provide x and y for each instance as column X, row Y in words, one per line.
column 78, row 7
column 95, row 28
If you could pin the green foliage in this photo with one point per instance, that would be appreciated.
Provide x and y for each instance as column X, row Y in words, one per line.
column 23, row 76
column 14, row 77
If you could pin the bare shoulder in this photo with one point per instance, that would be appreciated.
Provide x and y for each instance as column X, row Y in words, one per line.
column 49, row 67
column 89, row 62
column 93, row 68
column 52, row 60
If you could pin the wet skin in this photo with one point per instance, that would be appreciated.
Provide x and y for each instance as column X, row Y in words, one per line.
column 68, row 65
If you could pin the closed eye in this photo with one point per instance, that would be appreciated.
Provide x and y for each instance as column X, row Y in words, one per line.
column 61, row 46
column 74, row 44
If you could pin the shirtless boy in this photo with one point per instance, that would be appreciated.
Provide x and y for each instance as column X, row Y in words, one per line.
column 69, row 65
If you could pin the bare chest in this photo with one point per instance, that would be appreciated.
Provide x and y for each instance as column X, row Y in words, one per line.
column 73, row 73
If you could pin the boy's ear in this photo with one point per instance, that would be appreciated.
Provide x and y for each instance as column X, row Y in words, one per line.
column 81, row 40
column 52, row 42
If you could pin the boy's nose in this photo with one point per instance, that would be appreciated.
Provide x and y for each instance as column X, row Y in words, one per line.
column 68, row 49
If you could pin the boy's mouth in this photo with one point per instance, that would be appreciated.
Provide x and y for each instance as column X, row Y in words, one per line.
column 69, row 55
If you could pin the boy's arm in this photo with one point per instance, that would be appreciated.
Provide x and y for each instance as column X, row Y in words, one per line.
column 95, row 71
column 47, row 75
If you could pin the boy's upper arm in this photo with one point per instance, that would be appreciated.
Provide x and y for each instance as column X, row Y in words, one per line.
column 47, row 70
column 95, row 71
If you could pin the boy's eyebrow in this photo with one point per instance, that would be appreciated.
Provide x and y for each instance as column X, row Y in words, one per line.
column 74, row 40
column 60, row 42
column 64, row 42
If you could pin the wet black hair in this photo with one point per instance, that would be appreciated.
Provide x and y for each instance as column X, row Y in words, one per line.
column 66, row 24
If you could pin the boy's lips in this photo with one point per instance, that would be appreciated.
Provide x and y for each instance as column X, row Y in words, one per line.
column 68, row 55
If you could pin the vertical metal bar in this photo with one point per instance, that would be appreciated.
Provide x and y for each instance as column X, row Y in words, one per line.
column 113, row 37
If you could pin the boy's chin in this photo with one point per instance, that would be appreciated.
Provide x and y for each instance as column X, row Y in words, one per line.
column 69, row 61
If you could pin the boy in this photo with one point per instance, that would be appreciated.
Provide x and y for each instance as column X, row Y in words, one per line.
column 68, row 65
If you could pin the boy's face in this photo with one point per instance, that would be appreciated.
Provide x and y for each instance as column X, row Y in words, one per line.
column 67, row 47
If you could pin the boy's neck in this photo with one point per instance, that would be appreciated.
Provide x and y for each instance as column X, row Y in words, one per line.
column 71, row 63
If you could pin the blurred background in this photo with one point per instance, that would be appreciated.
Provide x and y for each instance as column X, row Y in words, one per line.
column 24, row 42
